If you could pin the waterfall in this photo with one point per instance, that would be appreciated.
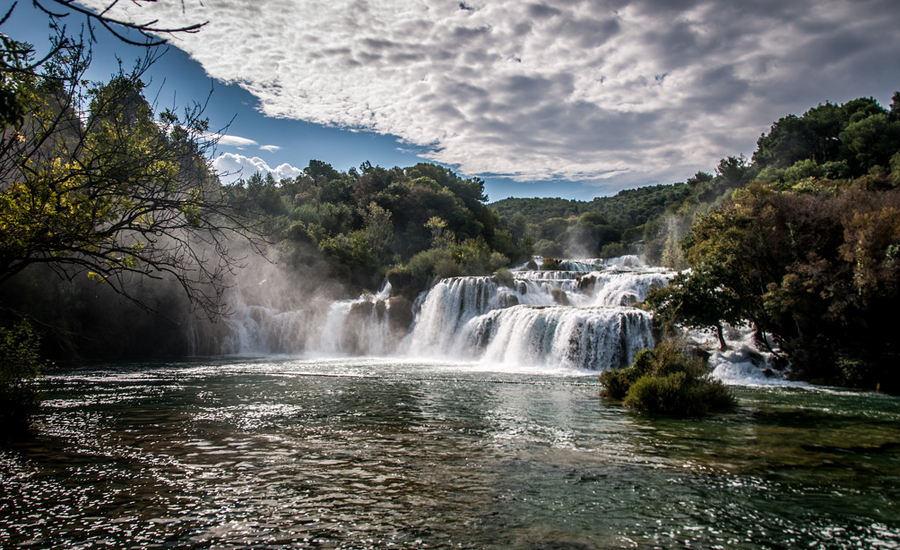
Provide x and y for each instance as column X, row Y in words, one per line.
column 449, row 305
column 345, row 327
column 581, row 316
column 572, row 319
column 258, row 329
column 357, row 327
column 595, row 338
column 624, row 288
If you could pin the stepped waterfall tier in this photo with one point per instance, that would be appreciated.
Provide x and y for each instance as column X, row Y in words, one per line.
column 582, row 317
column 556, row 319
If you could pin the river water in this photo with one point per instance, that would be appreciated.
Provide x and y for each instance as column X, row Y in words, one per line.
column 378, row 453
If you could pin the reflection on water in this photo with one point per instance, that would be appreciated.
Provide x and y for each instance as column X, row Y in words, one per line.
column 374, row 454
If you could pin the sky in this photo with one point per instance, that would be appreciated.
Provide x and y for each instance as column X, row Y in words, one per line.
column 555, row 98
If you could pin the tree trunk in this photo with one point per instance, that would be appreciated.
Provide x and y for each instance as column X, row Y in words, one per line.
column 721, row 334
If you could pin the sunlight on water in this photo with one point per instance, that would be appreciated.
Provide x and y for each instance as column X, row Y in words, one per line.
column 376, row 453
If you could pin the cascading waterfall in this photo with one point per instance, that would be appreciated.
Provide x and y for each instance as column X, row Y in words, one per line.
column 449, row 305
column 543, row 319
column 574, row 319
column 580, row 317
column 255, row 329
column 595, row 338
column 624, row 288
column 358, row 327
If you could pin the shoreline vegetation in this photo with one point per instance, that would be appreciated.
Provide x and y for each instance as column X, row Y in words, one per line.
column 114, row 230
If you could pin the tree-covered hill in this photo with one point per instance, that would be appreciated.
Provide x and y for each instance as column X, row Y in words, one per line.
column 537, row 210
column 627, row 208
column 602, row 227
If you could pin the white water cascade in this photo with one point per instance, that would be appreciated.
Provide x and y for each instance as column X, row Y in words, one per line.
column 580, row 317
column 569, row 319
column 358, row 327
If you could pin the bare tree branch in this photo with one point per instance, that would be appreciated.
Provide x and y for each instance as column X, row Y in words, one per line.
column 149, row 30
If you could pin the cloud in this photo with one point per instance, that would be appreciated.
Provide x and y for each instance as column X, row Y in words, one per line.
column 231, row 167
column 632, row 90
column 240, row 142
column 232, row 141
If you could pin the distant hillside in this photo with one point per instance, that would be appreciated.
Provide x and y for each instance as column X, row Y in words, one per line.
column 627, row 209
column 634, row 207
column 538, row 210
column 605, row 226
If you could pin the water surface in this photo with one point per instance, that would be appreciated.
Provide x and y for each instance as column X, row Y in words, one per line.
column 350, row 453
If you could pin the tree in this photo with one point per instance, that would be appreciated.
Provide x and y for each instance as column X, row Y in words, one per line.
column 114, row 193
column 788, row 141
column 440, row 237
column 17, row 61
column 816, row 268
column 20, row 364
column 117, row 194
column 378, row 228
column 698, row 299
column 872, row 141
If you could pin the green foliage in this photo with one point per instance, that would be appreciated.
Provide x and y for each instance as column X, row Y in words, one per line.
column 871, row 142
column 700, row 299
column 20, row 367
column 505, row 277
column 421, row 267
column 617, row 382
column 666, row 380
column 545, row 247
column 368, row 220
column 859, row 135
column 473, row 257
column 604, row 227
column 678, row 394
column 814, row 265
column 112, row 191
column 14, row 81
column 550, row 264
column 537, row 210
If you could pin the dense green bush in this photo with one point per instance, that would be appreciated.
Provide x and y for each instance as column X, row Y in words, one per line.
column 667, row 380
column 550, row 264
column 473, row 257
column 505, row 277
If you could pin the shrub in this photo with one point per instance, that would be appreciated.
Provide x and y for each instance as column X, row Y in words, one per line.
column 497, row 261
column 666, row 380
column 446, row 268
column 550, row 264
column 420, row 267
column 505, row 277
column 616, row 382
column 20, row 366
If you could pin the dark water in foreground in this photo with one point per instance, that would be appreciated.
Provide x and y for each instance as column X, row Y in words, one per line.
column 374, row 454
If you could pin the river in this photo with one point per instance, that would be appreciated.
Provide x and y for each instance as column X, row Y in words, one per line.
column 305, row 452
